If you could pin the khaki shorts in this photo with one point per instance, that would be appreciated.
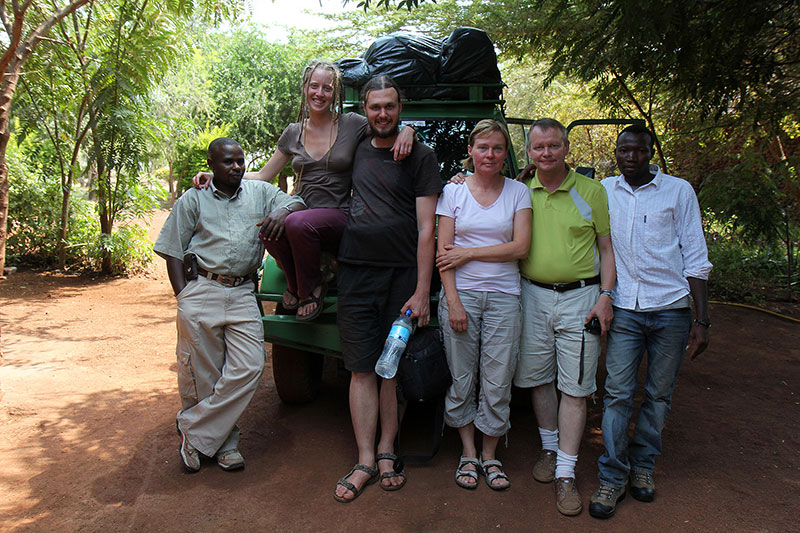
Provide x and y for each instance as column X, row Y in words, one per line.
column 552, row 330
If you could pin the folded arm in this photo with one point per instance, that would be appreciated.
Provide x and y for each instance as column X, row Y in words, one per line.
column 451, row 256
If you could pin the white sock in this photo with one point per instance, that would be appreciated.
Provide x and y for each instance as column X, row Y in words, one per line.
column 549, row 439
column 565, row 465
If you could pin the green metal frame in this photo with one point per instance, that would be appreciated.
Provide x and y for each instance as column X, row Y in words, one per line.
column 322, row 336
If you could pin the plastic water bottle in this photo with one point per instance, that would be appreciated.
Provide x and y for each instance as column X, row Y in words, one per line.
column 395, row 345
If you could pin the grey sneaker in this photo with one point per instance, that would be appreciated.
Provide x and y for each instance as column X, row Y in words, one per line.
column 643, row 487
column 544, row 471
column 230, row 460
column 189, row 454
column 568, row 501
column 603, row 502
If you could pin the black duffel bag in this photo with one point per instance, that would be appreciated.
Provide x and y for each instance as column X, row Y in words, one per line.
column 423, row 374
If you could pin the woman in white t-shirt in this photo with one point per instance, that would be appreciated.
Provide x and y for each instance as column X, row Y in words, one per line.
column 484, row 229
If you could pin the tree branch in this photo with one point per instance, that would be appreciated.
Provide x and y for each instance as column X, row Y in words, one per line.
column 648, row 118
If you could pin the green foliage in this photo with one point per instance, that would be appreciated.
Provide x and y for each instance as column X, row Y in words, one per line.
column 256, row 86
column 193, row 155
column 34, row 212
column 742, row 271
column 128, row 246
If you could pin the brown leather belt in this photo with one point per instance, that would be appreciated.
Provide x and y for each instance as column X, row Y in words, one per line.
column 563, row 287
column 225, row 280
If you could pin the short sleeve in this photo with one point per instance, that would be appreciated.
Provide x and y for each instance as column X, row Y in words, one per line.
column 522, row 197
column 427, row 179
column 274, row 198
column 602, row 224
column 177, row 231
column 289, row 138
column 356, row 123
column 444, row 206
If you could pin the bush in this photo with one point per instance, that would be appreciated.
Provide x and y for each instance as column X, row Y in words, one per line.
column 193, row 155
column 742, row 271
column 130, row 248
column 34, row 215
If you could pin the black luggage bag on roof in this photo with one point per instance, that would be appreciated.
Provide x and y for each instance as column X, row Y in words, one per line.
column 466, row 56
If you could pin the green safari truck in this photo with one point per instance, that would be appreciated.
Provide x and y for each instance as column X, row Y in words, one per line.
column 298, row 348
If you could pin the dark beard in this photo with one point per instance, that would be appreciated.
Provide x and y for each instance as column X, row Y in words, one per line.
column 388, row 133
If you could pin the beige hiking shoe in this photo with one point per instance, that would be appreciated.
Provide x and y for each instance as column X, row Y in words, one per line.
column 603, row 502
column 568, row 501
column 643, row 486
column 544, row 471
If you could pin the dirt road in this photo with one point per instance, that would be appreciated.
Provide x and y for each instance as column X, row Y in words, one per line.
column 88, row 442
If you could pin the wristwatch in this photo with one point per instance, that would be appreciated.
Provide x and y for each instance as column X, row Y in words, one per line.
column 607, row 293
column 705, row 324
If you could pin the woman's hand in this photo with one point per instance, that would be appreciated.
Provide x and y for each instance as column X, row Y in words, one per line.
column 404, row 143
column 202, row 180
column 458, row 316
column 452, row 257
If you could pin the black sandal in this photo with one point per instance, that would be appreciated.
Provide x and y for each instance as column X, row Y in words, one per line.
column 344, row 482
column 319, row 300
column 290, row 307
column 393, row 473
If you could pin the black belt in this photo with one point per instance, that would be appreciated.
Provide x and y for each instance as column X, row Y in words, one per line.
column 225, row 280
column 564, row 287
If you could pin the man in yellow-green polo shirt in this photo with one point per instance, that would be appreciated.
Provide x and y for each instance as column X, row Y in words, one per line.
column 567, row 281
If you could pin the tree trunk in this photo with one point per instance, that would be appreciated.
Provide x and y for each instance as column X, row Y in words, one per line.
column 172, row 194
column 3, row 201
column 9, row 85
column 105, row 229
column 66, row 191
column 789, row 258
column 648, row 117
column 17, row 49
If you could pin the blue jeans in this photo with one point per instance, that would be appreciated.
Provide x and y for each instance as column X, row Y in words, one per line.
column 663, row 334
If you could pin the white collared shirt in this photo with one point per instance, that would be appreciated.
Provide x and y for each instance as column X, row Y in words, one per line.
column 658, row 240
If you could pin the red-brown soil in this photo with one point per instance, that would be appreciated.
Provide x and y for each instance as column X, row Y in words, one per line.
column 87, row 435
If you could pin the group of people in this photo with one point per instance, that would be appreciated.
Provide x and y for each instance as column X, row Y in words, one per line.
column 533, row 272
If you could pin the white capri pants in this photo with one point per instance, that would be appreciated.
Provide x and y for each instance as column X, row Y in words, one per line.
column 486, row 351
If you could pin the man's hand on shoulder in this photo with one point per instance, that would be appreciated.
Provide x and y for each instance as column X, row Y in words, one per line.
column 527, row 173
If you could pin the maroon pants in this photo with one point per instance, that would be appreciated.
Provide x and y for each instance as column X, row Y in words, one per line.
column 306, row 234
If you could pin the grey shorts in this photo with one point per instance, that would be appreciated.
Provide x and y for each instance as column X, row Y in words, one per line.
column 552, row 332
